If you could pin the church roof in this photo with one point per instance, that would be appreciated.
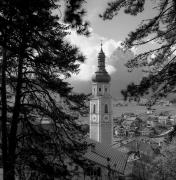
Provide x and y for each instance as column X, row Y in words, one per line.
column 101, row 75
column 100, row 153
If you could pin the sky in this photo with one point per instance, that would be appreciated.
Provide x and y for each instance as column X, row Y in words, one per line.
column 112, row 33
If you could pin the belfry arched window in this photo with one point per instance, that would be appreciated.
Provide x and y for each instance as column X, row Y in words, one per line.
column 106, row 108
column 94, row 108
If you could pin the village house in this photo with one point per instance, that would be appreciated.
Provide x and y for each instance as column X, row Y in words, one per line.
column 128, row 115
column 143, row 102
column 120, row 131
column 126, row 124
column 146, row 131
column 172, row 119
column 152, row 121
column 163, row 120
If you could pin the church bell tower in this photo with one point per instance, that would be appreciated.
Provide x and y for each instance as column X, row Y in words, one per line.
column 101, row 124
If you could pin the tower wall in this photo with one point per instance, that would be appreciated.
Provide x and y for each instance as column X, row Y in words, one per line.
column 101, row 125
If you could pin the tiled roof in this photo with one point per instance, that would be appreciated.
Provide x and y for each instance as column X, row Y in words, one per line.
column 143, row 147
column 99, row 153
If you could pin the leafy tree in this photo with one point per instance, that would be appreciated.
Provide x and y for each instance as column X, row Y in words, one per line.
column 164, row 165
column 158, row 62
column 35, row 62
column 137, row 90
column 124, row 94
column 171, row 134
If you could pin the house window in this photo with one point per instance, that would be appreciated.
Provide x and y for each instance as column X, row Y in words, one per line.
column 93, row 172
column 106, row 108
column 94, row 108
column 99, row 89
column 106, row 89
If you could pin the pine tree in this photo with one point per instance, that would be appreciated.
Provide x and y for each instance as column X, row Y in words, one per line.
column 160, row 29
column 35, row 62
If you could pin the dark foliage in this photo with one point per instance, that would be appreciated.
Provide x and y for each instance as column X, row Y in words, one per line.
column 160, row 29
column 35, row 61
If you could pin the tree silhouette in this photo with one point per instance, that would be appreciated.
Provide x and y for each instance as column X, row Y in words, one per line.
column 158, row 62
column 124, row 94
column 137, row 90
column 35, row 62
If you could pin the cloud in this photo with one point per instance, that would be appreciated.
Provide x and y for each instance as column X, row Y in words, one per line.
column 86, row 71
column 90, row 47
column 116, row 57
column 120, row 77
column 111, row 69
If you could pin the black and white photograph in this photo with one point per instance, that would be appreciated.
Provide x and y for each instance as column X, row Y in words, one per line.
column 87, row 90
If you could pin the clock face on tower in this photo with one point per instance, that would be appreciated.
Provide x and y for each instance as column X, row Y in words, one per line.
column 106, row 118
column 94, row 119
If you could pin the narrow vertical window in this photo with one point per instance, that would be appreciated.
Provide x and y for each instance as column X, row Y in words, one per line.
column 100, row 89
column 94, row 108
column 94, row 91
column 106, row 89
column 106, row 108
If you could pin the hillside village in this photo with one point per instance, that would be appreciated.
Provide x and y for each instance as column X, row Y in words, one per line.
column 151, row 122
column 143, row 136
column 141, row 133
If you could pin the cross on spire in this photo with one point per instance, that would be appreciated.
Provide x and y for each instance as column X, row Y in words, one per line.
column 101, row 44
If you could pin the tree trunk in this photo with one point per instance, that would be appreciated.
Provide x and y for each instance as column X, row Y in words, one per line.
column 14, row 123
column 4, row 113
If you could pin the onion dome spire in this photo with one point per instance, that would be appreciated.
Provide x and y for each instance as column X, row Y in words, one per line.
column 101, row 60
column 101, row 75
